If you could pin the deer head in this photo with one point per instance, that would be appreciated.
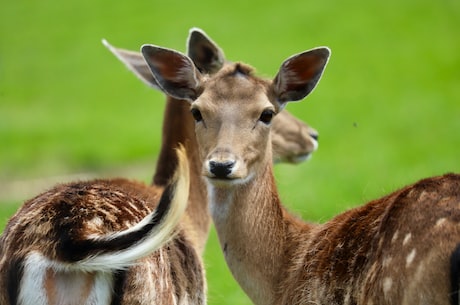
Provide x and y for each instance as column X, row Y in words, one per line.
column 233, row 104
column 293, row 141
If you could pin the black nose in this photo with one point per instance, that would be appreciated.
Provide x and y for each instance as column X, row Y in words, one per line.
column 314, row 136
column 221, row 169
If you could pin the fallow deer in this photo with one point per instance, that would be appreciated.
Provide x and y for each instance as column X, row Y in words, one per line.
column 88, row 242
column 399, row 249
column 292, row 140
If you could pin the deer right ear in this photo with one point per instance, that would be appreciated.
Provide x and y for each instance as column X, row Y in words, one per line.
column 299, row 75
column 175, row 73
column 204, row 52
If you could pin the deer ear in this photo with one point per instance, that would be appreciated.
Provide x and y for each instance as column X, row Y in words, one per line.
column 204, row 52
column 135, row 62
column 299, row 74
column 175, row 73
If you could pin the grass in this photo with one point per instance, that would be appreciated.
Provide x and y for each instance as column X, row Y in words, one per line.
column 387, row 108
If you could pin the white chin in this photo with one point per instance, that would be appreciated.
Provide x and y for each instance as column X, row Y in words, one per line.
column 301, row 159
column 228, row 182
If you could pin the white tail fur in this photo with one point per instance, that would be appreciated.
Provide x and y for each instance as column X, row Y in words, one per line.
column 63, row 246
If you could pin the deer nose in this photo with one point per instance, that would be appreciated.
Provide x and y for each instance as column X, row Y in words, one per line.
column 314, row 135
column 221, row 169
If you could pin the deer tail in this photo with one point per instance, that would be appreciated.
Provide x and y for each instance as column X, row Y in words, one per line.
column 122, row 249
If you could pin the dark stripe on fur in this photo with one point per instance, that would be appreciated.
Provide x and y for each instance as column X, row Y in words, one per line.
column 70, row 249
column 14, row 275
column 118, row 287
column 455, row 276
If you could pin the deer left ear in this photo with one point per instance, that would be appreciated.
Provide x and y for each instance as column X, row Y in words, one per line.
column 175, row 72
column 299, row 75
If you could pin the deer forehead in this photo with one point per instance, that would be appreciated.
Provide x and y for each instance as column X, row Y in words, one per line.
column 234, row 93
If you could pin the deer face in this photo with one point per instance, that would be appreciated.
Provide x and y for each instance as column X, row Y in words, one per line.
column 233, row 117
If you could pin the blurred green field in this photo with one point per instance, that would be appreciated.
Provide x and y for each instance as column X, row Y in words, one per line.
column 387, row 108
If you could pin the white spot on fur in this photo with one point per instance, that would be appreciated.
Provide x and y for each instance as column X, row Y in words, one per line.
column 94, row 225
column 410, row 258
column 387, row 283
column 440, row 222
column 347, row 296
column 395, row 237
column 386, row 261
column 97, row 221
column 381, row 240
column 407, row 238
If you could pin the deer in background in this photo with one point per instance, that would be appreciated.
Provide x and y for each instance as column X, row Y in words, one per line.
column 292, row 140
column 83, row 242
column 399, row 249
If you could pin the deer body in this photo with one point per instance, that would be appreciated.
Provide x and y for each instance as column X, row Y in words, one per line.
column 400, row 249
column 77, row 243
column 394, row 250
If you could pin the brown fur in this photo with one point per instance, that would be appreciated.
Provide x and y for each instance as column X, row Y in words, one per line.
column 76, row 211
column 348, row 259
column 393, row 250
column 197, row 219
column 120, row 204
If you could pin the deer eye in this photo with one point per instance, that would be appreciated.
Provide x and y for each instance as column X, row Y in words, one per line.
column 196, row 115
column 266, row 116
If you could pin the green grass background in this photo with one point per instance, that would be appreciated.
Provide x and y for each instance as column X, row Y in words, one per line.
column 387, row 108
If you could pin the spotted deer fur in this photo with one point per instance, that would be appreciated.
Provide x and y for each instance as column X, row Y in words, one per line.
column 87, row 242
column 174, row 273
column 399, row 249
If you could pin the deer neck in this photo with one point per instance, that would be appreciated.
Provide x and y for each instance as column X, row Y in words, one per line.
column 174, row 134
column 179, row 128
column 251, row 229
